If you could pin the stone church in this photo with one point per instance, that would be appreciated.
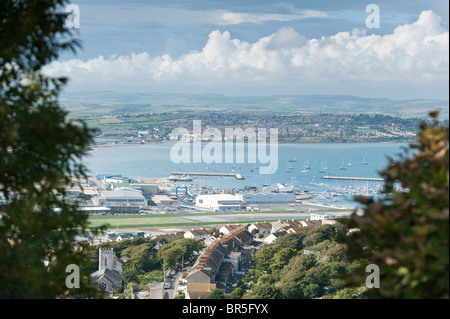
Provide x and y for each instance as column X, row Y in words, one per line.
column 109, row 273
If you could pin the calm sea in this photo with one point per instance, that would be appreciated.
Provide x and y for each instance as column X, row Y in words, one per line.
column 154, row 161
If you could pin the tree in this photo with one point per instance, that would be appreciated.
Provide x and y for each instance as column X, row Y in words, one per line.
column 237, row 293
column 40, row 152
column 407, row 233
column 282, row 257
column 216, row 294
column 171, row 256
column 263, row 257
column 172, row 252
column 312, row 291
column 262, row 291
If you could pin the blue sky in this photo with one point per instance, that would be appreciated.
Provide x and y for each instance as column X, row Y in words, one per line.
column 261, row 47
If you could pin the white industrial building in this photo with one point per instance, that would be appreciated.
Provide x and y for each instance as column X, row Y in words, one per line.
column 321, row 216
column 266, row 198
column 148, row 189
column 122, row 197
column 219, row 202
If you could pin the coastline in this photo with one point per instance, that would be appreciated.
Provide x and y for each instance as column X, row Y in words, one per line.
column 279, row 142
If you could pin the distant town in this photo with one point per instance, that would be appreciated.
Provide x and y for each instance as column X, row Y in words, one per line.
column 132, row 128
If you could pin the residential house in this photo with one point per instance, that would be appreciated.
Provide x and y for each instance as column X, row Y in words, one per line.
column 274, row 236
column 219, row 260
column 227, row 229
column 124, row 236
column 260, row 228
column 197, row 234
column 199, row 290
column 299, row 229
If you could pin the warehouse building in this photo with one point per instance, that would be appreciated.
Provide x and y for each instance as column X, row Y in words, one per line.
column 122, row 200
column 267, row 198
column 148, row 189
column 219, row 202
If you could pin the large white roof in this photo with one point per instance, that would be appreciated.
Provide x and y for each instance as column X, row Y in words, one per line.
column 220, row 196
column 123, row 193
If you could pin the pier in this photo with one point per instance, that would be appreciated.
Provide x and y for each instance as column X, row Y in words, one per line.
column 369, row 179
column 237, row 176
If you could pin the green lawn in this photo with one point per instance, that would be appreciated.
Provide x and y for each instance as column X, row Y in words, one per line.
column 158, row 220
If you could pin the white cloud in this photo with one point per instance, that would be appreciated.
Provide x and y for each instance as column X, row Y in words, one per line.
column 228, row 18
column 412, row 52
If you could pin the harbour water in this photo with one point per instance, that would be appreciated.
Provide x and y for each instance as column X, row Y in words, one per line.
column 301, row 165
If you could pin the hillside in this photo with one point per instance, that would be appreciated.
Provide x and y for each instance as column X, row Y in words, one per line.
column 95, row 102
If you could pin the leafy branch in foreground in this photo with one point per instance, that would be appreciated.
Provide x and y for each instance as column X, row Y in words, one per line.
column 407, row 233
column 40, row 152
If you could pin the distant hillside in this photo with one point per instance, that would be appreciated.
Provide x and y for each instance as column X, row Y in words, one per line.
column 139, row 102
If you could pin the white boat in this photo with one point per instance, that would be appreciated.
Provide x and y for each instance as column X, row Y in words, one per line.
column 365, row 160
column 307, row 165
column 323, row 167
column 294, row 159
column 179, row 178
column 343, row 168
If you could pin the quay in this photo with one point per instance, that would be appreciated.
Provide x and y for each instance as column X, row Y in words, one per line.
column 237, row 176
column 369, row 179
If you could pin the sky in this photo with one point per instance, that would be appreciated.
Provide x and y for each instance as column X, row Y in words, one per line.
column 261, row 47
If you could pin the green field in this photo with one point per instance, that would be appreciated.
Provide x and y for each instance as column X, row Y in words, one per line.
column 167, row 220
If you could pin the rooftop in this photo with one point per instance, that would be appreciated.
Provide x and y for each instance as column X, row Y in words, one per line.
column 123, row 193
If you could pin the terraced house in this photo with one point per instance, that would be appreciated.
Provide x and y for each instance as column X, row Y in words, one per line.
column 220, row 261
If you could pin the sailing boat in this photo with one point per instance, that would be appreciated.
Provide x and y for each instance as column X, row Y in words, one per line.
column 349, row 162
column 307, row 165
column 293, row 159
column 266, row 183
column 305, row 168
column 322, row 168
column 365, row 160
column 343, row 168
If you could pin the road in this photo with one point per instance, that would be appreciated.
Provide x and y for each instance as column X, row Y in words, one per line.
column 172, row 291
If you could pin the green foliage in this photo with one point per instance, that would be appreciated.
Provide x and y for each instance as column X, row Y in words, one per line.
column 122, row 245
column 283, row 271
column 312, row 291
column 153, row 276
column 216, row 294
column 345, row 293
column 276, row 255
column 40, row 151
column 172, row 252
column 322, row 233
column 237, row 293
column 282, row 257
column 262, row 290
column 407, row 233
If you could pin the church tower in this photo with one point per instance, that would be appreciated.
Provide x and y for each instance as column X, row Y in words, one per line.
column 105, row 258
